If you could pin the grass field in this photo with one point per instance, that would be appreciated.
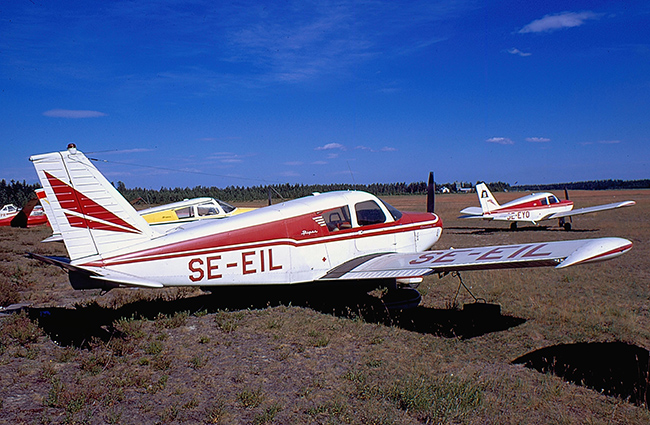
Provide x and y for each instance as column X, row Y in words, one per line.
column 326, row 355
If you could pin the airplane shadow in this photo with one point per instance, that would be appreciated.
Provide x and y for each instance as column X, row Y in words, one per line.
column 612, row 368
column 488, row 231
column 78, row 326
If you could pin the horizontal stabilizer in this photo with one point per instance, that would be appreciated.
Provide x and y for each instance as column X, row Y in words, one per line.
column 472, row 211
column 544, row 254
column 98, row 273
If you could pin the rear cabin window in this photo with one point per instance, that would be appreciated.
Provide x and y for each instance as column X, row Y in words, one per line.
column 186, row 212
column 337, row 219
column 544, row 201
column 368, row 212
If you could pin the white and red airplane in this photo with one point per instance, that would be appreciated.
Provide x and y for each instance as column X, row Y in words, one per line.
column 532, row 208
column 336, row 236
column 29, row 215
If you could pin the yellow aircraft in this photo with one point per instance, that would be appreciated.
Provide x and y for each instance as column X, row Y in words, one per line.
column 189, row 210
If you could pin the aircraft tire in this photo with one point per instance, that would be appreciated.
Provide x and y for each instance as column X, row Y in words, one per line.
column 513, row 225
column 567, row 226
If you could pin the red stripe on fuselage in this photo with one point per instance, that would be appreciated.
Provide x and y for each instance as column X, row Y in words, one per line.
column 528, row 206
column 271, row 234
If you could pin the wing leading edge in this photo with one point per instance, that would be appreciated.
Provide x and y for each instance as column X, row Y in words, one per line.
column 593, row 209
column 558, row 254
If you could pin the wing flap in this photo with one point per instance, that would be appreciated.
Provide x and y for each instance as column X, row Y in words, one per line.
column 593, row 209
column 558, row 254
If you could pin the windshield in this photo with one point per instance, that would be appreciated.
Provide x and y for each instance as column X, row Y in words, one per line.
column 226, row 206
column 397, row 214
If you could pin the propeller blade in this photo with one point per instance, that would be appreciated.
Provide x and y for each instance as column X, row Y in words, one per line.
column 431, row 194
column 270, row 200
column 566, row 196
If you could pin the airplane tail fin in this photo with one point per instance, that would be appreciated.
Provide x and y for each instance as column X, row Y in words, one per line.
column 488, row 203
column 91, row 215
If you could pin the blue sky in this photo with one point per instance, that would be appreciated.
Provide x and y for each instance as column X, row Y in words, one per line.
column 176, row 93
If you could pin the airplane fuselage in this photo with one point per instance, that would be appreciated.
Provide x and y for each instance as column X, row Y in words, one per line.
column 293, row 242
column 532, row 208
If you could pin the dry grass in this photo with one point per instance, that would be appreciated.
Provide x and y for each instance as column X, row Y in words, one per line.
column 180, row 356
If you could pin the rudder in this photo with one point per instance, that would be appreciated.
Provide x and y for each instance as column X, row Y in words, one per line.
column 488, row 203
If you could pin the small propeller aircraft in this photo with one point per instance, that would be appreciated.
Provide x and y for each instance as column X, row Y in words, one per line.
column 171, row 215
column 532, row 208
column 29, row 215
column 349, row 236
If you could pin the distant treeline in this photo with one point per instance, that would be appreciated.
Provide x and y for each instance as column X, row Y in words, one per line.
column 18, row 193
column 590, row 185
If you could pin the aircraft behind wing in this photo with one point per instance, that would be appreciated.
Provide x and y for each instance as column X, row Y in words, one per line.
column 532, row 208
column 165, row 217
column 31, row 214
column 350, row 236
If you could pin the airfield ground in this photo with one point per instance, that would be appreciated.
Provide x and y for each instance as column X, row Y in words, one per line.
column 327, row 355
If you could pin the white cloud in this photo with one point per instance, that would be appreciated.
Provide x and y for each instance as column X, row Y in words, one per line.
column 293, row 163
column 365, row 148
column 518, row 52
column 330, row 146
column 71, row 113
column 602, row 142
column 388, row 149
column 537, row 139
column 559, row 21
column 500, row 141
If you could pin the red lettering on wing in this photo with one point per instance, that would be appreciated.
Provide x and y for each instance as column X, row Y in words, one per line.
column 533, row 252
column 492, row 252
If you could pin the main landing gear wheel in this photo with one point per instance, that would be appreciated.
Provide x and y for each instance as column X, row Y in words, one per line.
column 513, row 225
column 567, row 226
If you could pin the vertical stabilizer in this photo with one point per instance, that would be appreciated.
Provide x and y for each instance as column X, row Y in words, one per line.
column 488, row 203
column 92, row 216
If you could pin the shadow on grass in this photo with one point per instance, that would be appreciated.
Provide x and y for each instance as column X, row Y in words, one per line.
column 488, row 231
column 613, row 368
column 79, row 325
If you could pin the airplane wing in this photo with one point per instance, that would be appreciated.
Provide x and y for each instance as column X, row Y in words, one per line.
column 591, row 209
column 559, row 254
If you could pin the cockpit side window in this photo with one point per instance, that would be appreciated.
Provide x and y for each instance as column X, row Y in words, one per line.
column 553, row 200
column 368, row 212
column 337, row 219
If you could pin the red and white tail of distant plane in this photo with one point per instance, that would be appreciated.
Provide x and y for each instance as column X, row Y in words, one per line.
column 346, row 236
column 532, row 208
